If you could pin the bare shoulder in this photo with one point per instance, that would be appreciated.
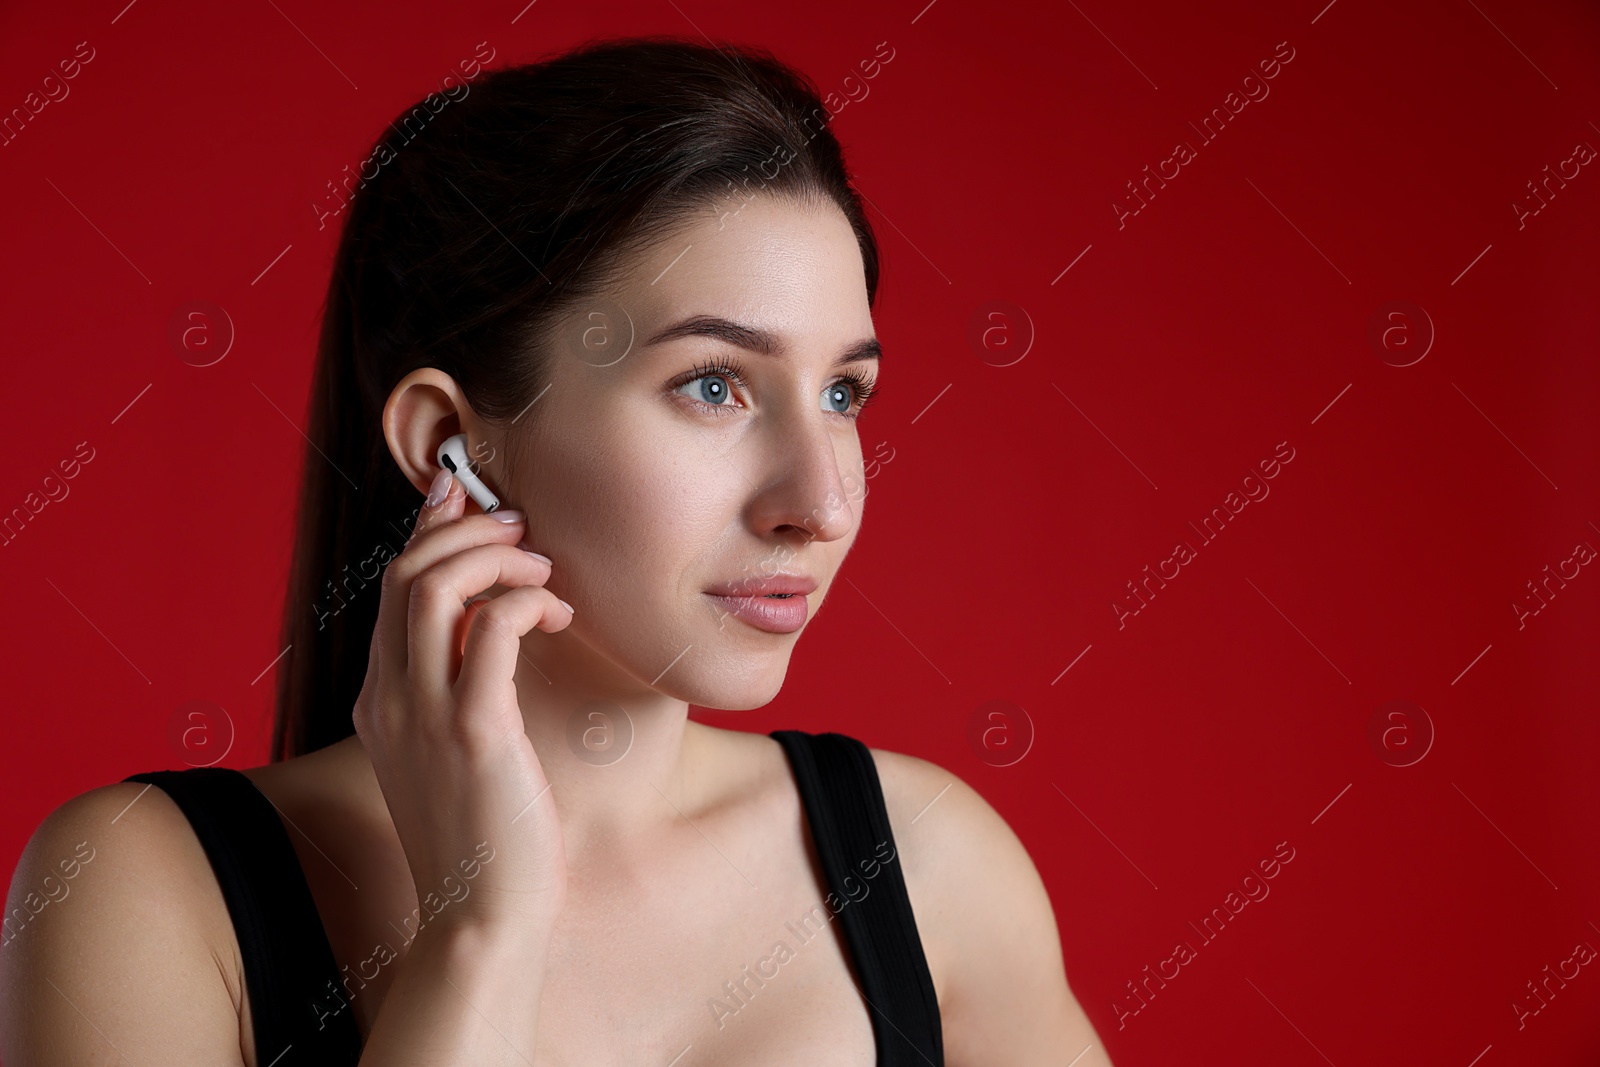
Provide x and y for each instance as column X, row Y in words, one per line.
column 986, row 921
column 957, row 854
column 111, row 928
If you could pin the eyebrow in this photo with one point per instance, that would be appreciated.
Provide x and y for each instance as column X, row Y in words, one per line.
column 754, row 339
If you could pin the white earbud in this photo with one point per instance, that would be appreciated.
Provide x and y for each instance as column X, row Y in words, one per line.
column 453, row 458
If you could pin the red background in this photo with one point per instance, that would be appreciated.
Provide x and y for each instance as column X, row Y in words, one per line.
column 1232, row 313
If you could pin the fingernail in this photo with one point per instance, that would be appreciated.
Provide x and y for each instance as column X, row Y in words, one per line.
column 506, row 516
column 569, row 607
column 538, row 555
column 439, row 489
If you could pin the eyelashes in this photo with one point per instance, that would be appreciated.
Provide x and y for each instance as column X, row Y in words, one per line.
column 863, row 387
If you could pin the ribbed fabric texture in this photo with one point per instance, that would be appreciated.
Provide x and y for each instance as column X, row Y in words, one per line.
column 289, row 968
column 843, row 799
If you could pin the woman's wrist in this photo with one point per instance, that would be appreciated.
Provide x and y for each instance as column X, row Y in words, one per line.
column 474, row 942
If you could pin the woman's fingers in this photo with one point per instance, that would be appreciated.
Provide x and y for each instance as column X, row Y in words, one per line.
column 438, row 598
column 389, row 634
column 494, row 639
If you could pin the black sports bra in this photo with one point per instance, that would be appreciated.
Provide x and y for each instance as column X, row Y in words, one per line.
column 297, row 1002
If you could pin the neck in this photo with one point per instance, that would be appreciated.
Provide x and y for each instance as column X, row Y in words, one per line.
column 616, row 751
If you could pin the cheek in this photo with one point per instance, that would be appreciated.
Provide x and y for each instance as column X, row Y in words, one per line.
column 629, row 517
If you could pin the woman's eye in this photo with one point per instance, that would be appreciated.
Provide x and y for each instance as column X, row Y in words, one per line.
column 713, row 389
column 840, row 393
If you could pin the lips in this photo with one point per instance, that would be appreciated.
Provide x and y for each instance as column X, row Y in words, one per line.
column 775, row 603
column 774, row 614
column 796, row 584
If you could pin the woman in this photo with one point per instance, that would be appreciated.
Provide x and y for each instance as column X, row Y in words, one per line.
column 636, row 279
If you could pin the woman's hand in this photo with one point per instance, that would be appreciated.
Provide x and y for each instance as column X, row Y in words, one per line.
column 439, row 719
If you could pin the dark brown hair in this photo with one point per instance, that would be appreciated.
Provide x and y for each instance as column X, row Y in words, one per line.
column 509, row 206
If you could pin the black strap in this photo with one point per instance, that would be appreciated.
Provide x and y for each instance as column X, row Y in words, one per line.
column 299, row 1010
column 843, row 799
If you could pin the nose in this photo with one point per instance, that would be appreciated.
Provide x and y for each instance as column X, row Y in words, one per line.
column 811, row 469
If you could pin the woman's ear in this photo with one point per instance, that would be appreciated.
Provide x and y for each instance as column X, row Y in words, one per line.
column 425, row 409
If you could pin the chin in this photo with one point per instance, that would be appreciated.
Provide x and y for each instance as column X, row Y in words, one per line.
column 729, row 682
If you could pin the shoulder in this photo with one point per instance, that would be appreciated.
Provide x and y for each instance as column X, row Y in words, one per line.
column 109, row 846
column 930, row 805
column 112, row 915
column 960, row 858
column 986, row 921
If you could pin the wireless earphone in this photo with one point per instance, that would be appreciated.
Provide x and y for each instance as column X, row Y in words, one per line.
column 453, row 458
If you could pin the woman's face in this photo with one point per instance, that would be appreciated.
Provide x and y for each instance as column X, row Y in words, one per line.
column 651, row 481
